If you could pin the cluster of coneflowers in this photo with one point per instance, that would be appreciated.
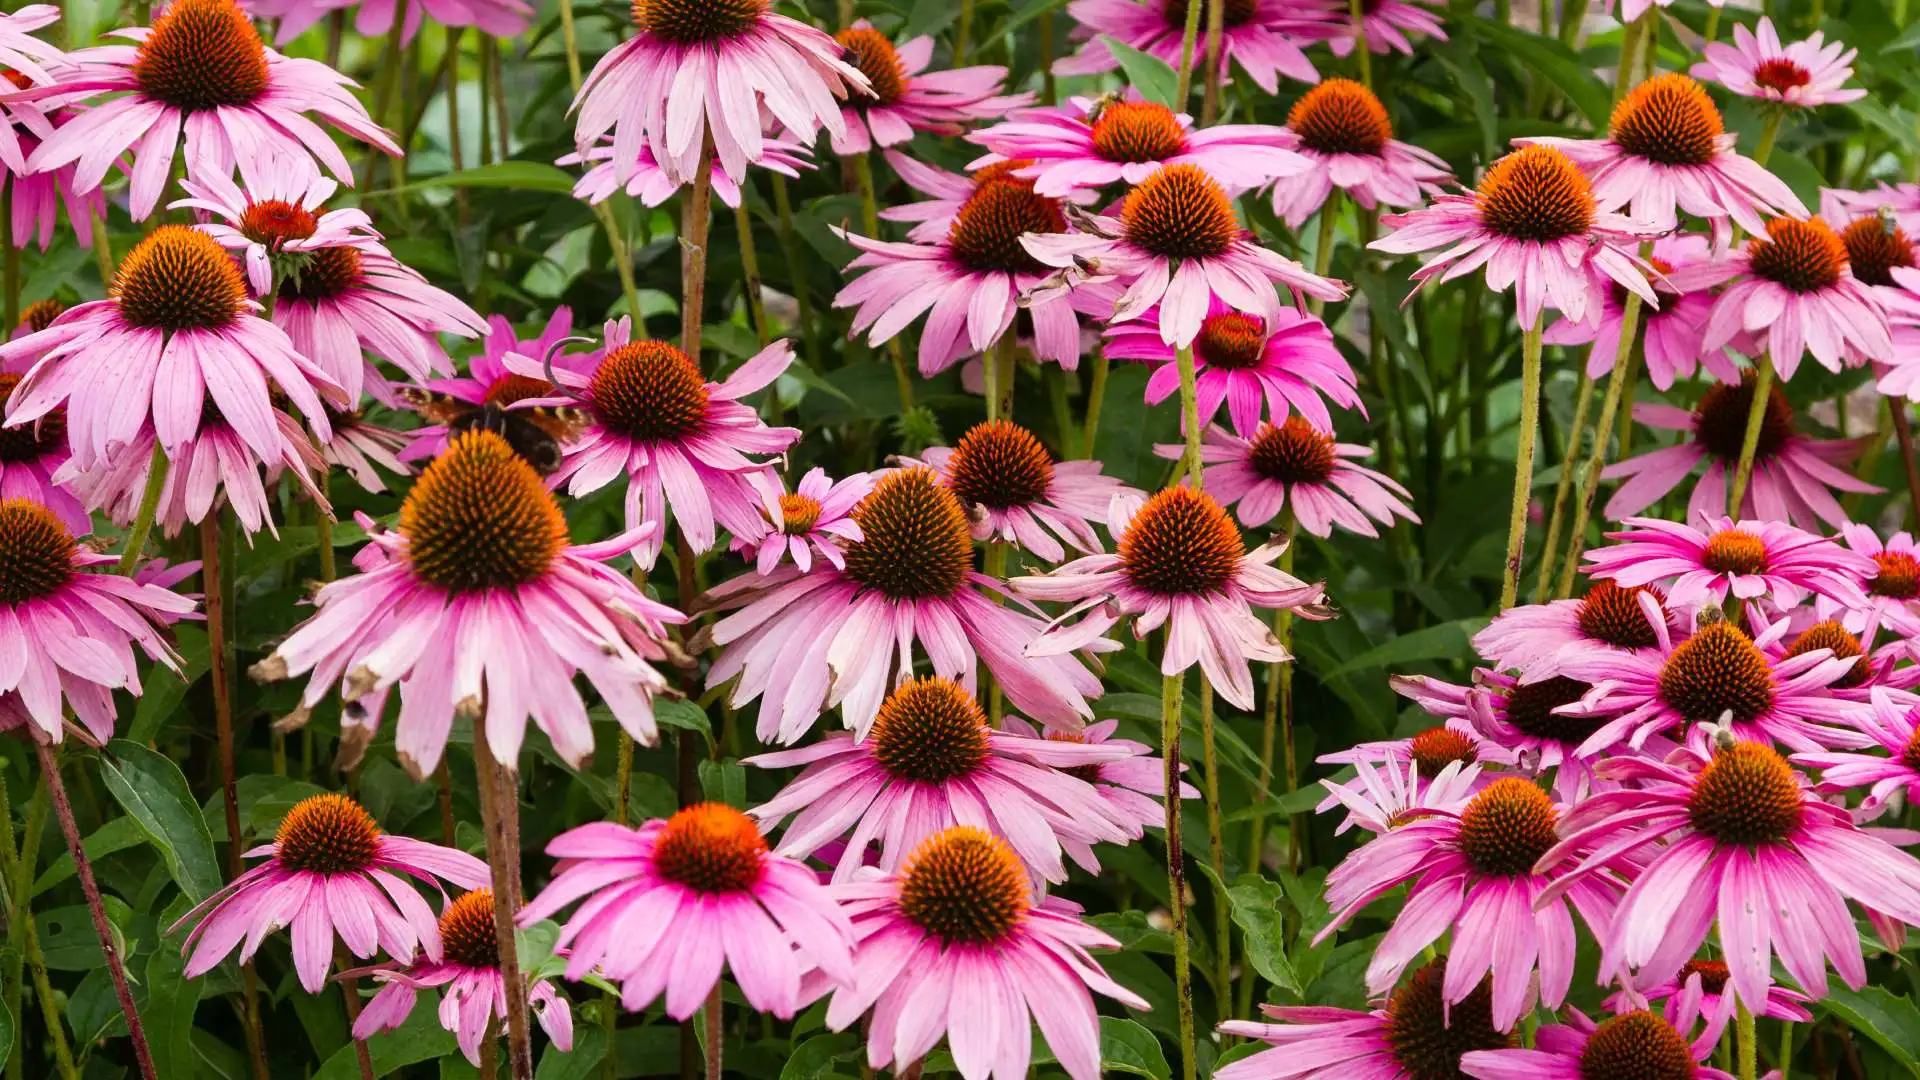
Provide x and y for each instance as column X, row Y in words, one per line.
column 1638, row 757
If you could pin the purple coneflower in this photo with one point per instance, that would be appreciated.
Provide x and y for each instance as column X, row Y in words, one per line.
column 1532, row 726
column 374, row 18
column 1538, row 639
column 363, row 448
column 815, row 517
column 907, row 98
column 1894, row 770
column 1674, row 332
column 200, row 71
column 671, row 902
column 487, row 381
column 803, row 642
column 1345, row 132
column 1892, row 584
column 467, row 972
column 1297, row 465
column 1792, row 292
column 1180, row 563
column 1385, row 23
column 955, row 944
column 329, row 871
column 930, row 761
column 67, row 634
column 477, row 605
column 32, row 454
column 1435, row 770
column 1630, row 1046
column 652, row 185
column 1708, row 980
column 1264, row 37
column 1748, row 560
column 1801, row 75
column 1016, row 493
column 1131, row 786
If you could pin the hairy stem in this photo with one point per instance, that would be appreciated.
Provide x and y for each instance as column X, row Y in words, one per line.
column 1523, row 461
column 149, row 506
column 1096, row 396
column 1750, row 440
column 1171, row 694
column 1582, row 404
column 500, row 813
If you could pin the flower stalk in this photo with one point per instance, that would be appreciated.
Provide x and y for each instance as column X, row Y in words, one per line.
column 1530, row 347
column 1750, row 439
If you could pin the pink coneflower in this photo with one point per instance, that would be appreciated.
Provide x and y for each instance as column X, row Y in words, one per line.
column 969, row 282
column 1738, row 823
column 650, row 183
column 1281, row 358
column 215, row 465
column 1130, row 787
column 1262, row 36
column 363, row 448
column 468, row 974
column 907, row 98
column 1749, row 560
column 955, row 944
column 1386, row 24
column 28, row 62
column 488, row 382
column 1626, row 1047
column 1674, row 332
column 1891, row 584
column 947, row 192
column 39, row 198
column 1840, row 206
column 1706, row 981
column 668, row 903
column 1345, row 132
column 1180, row 562
column 1801, row 75
column 329, row 871
column 1876, row 666
column 477, row 605
column 1893, row 725
column 1533, row 225
column 805, row 642
column 1406, row 786
column 66, row 633
column 1794, row 477
column 1296, row 465
column 32, row 454
column 929, row 762
column 338, row 289
column 374, row 18
column 680, row 439
column 1093, row 143
column 1792, row 293
column 1535, row 726
column 816, row 517
column 201, row 70
column 1538, row 639
column 1016, row 493
column 709, row 69
column 1717, row 676
column 176, row 330
column 1178, row 246
column 1667, row 151
column 1416, row 1035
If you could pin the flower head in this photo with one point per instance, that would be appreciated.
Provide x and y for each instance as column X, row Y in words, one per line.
column 1794, row 477
column 375, row 18
column 175, row 332
column 1532, row 224
column 1180, row 562
column 488, row 381
column 1093, row 143
column 202, row 71
column 816, row 516
column 1892, row 584
column 806, row 641
column 31, row 455
column 1263, row 37
column 1888, row 768
column 1434, row 770
column 1015, row 492
column 1538, row 639
column 671, row 902
column 1738, row 823
column 468, row 971
column 700, row 70
column 1749, row 560
column 929, row 762
column 652, row 184
column 680, row 439
column 1345, row 132
column 1282, row 358
column 1417, row 1034
column 1675, row 331
column 1637, row 1045
column 1297, row 465
column 1178, row 247
column 478, row 605
column 907, row 98
column 1792, row 293
column 329, row 871
column 961, row 914
column 1801, row 75
column 67, row 634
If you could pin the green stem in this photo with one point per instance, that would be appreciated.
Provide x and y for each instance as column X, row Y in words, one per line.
column 750, row 269
column 1048, row 92
column 1096, row 396
column 1189, row 415
column 1171, row 693
column 143, row 517
column 997, row 366
column 1622, row 376
column 995, row 567
column 963, row 35
column 571, row 40
column 1210, row 95
column 1523, row 461
column 696, row 217
column 1183, row 87
column 1629, row 50
column 26, row 940
column 1216, row 855
column 1583, row 403
column 1769, row 131
column 1756, row 417
column 1746, row 1043
column 1785, row 1063
column 1356, row 11
column 1323, row 247
column 790, row 251
column 1713, row 28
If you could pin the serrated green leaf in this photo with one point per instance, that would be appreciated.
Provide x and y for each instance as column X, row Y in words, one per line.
column 1888, row 1019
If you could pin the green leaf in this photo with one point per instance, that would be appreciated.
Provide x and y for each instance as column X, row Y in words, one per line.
column 1149, row 74
column 163, row 689
column 580, row 1063
column 1909, row 39
column 684, row 715
column 815, row 1058
column 1553, row 60
column 151, row 789
column 168, row 1017
column 7, row 1033
column 724, row 781
column 1127, row 1047
column 117, row 835
column 1447, row 641
column 419, row 1038
column 1880, row 1015
column 512, row 175
column 1258, row 909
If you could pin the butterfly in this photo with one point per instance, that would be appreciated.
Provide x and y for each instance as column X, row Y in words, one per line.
column 536, row 434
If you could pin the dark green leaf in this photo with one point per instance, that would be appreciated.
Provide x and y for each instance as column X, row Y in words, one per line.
column 151, row 789
column 171, row 1000
column 420, row 1038
column 1883, row 1016
column 1555, row 62
column 1149, row 74
column 1127, row 1047
column 512, row 175
column 1447, row 641
column 815, row 1058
